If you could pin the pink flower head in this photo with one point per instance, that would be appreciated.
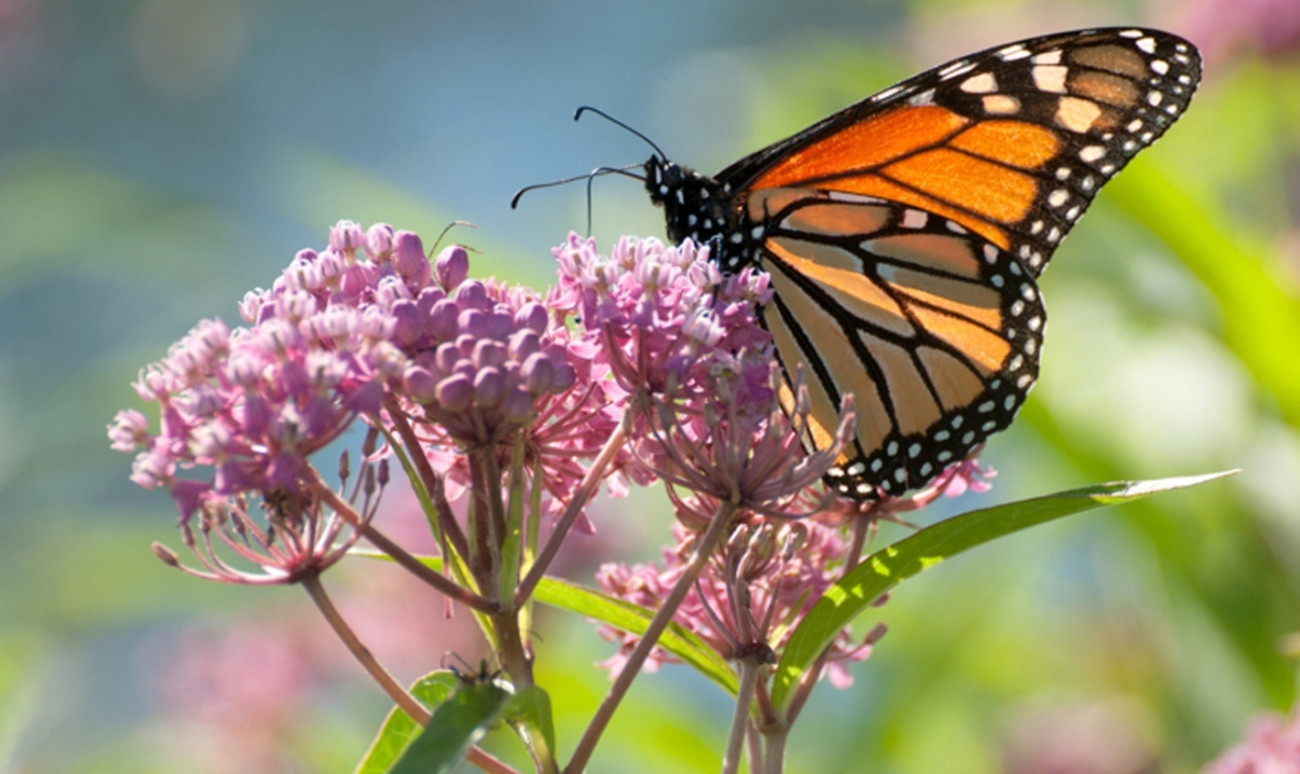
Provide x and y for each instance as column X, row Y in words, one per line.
column 482, row 357
column 253, row 404
column 660, row 316
column 300, row 539
column 750, row 596
column 682, row 340
column 739, row 444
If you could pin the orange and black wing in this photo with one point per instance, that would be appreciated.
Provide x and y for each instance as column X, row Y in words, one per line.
column 1012, row 142
column 934, row 330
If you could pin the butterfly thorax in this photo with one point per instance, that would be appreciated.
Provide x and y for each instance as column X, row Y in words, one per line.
column 700, row 208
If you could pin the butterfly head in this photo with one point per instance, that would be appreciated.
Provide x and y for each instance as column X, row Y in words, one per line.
column 695, row 206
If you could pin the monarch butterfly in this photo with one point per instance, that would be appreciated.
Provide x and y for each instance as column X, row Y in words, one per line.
column 903, row 234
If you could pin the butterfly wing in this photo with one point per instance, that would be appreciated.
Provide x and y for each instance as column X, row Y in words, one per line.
column 1012, row 142
column 932, row 328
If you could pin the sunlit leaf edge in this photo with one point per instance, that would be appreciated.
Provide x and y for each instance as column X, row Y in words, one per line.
column 399, row 729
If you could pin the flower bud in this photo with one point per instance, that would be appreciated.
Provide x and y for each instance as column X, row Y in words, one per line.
column 533, row 317
column 379, row 242
column 517, row 408
column 489, row 386
column 420, row 385
column 346, row 237
column 409, row 259
column 455, row 392
column 538, row 373
column 452, row 267
column 489, row 353
column 406, row 323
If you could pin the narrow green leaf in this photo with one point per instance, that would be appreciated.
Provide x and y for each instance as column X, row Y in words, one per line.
column 399, row 729
column 635, row 619
column 529, row 712
column 457, row 724
column 621, row 615
column 891, row 565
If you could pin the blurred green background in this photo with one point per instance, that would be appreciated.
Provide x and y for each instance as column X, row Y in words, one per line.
column 158, row 158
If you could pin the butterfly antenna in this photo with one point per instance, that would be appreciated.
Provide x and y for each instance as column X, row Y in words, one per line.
column 616, row 122
column 597, row 172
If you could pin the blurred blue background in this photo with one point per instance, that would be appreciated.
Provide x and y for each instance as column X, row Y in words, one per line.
column 158, row 158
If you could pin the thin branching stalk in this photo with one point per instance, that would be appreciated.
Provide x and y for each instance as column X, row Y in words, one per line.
column 431, row 481
column 754, row 740
column 358, row 649
column 804, row 689
column 399, row 554
column 704, row 547
column 581, row 496
column 400, row 696
column 750, row 670
column 774, row 748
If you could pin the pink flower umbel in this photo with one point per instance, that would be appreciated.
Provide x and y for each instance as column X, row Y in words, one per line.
column 300, row 539
column 661, row 319
column 750, row 596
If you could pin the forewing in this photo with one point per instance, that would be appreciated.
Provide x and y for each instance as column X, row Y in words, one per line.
column 1012, row 142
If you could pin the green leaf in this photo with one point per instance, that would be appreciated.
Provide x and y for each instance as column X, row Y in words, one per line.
column 635, row 619
column 620, row 614
column 456, row 725
column 888, row 567
column 399, row 729
column 529, row 713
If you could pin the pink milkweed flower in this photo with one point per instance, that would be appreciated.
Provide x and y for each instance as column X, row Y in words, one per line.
column 749, row 597
column 250, row 405
column 657, row 316
column 295, row 538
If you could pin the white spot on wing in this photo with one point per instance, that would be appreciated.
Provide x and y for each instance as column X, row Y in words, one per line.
column 980, row 84
column 1013, row 52
column 915, row 218
column 960, row 67
column 1050, row 78
column 1091, row 153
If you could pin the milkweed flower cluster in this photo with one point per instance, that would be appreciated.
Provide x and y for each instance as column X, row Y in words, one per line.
column 763, row 581
column 664, row 320
column 646, row 364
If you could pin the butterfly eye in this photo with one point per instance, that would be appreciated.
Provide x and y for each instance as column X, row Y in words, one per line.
column 673, row 174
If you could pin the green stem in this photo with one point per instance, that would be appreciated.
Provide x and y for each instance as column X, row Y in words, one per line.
column 395, row 691
column 428, row 479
